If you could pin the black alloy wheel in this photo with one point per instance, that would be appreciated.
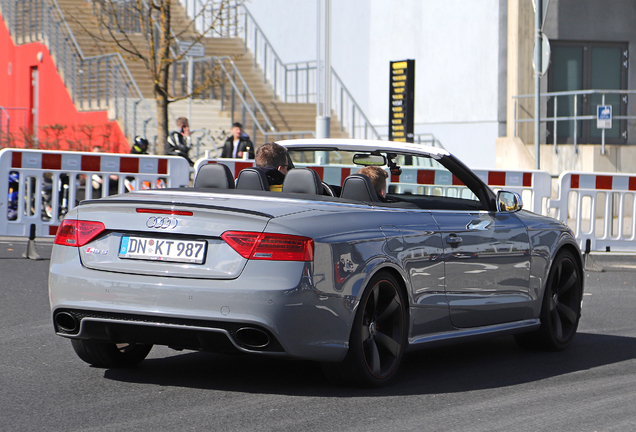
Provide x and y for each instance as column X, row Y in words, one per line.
column 378, row 337
column 561, row 308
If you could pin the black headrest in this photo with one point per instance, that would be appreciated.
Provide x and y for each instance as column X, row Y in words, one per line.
column 360, row 188
column 303, row 180
column 252, row 179
column 214, row 175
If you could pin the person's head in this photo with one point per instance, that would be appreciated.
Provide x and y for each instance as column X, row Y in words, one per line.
column 272, row 155
column 142, row 143
column 237, row 130
column 378, row 177
column 182, row 124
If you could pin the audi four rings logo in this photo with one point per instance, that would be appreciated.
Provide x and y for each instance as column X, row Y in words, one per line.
column 162, row 222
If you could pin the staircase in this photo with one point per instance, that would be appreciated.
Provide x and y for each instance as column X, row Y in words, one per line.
column 205, row 114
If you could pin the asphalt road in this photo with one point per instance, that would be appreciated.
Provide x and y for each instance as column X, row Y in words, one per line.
column 486, row 386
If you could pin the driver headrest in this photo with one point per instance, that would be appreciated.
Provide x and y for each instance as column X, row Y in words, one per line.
column 303, row 180
column 360, row 188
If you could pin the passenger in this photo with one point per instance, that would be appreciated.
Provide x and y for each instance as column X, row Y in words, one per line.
column 378, row 177
column 273, row 158
column 238, row 145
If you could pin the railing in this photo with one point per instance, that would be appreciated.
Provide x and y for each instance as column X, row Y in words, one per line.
column 291, row 82
column 202, row 135
column 426, row 139
column 208, row 13
column 99, row 82
column 296, row 82
column 524, row 107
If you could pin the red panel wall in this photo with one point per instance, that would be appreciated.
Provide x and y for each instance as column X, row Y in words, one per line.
column 71, row 128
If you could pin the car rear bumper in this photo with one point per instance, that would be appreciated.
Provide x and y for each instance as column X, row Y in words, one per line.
column 292, row 319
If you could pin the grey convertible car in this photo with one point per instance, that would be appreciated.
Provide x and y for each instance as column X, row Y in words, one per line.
column 324, row 270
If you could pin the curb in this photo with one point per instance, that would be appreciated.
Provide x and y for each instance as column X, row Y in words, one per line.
column 610, row 261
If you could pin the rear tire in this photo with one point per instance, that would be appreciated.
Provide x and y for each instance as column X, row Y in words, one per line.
column 110, row 355
column 561, row 307
column 378, row 337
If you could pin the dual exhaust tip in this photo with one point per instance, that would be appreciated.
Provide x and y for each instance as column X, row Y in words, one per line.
column 247, row 337
column 250, row 337
column 67, row 322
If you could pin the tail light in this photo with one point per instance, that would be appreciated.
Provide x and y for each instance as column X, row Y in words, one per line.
column 77, row 233
column 273, row 247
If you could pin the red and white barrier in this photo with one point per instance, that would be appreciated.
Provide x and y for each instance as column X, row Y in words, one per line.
column 599, row 207
column 73, row 176
column 534, row 186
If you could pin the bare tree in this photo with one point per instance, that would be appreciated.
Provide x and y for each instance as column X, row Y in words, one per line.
column 143, row 30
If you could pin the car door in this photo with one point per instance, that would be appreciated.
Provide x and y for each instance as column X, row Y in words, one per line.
column 487, row 266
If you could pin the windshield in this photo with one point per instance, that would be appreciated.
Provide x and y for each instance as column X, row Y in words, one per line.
column 410, row 176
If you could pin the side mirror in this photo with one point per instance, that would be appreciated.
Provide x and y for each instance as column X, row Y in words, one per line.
column 509, row 201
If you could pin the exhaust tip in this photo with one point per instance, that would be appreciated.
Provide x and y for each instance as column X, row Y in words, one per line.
column 250, row 337
column 67, row 322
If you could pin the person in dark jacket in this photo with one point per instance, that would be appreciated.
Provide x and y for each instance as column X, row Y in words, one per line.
column 238, row 144
column 140, row 146
column 178, row 142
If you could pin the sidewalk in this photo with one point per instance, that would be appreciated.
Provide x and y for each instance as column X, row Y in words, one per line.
column 610, row 261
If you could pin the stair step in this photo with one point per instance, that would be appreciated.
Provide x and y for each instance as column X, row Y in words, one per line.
column 284, row 116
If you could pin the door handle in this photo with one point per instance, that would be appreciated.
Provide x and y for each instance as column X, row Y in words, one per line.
column 453, row 240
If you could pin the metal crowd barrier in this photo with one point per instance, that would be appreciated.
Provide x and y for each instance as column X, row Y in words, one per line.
column 37, row 188
column 534, row 186
column 600, row 208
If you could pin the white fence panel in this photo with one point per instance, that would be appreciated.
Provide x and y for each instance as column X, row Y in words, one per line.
column 599, row 207
column 37, row 187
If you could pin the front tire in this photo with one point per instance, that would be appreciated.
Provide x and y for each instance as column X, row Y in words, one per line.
column 110, row 355
column 378, row 337
column 561, row 307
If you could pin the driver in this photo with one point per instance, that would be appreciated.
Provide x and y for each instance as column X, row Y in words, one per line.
column 378, row 177
column 273, row 159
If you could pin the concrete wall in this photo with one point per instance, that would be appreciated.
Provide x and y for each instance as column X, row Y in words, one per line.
column 459, row 47
column 81, row 130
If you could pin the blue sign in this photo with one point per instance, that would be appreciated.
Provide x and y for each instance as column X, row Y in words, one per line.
column 604, row 116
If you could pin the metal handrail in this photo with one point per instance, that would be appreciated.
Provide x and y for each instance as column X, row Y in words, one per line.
column 111, row 85
column 284, row 77
column 554, row 119
column 354, row 106
column 425, row 138
column 206, row 135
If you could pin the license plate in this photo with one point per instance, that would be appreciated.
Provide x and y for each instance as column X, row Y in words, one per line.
column 144, row 248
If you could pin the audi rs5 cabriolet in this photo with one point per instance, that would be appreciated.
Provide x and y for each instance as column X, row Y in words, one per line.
column 325, row 270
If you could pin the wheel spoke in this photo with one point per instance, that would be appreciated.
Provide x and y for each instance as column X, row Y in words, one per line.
column 556, row 324
column 388, row 311
column 365, row 333
column 387, row 342
column 567, row 285
column 376, row 295
column 557, row 276
column 566, row 312
column 372, row 356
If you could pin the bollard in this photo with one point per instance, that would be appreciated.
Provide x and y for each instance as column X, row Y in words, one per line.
column 31, row 253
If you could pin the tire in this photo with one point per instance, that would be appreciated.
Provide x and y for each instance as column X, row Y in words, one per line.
column 110, row 355
column 378, row 337
column 561, row 307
